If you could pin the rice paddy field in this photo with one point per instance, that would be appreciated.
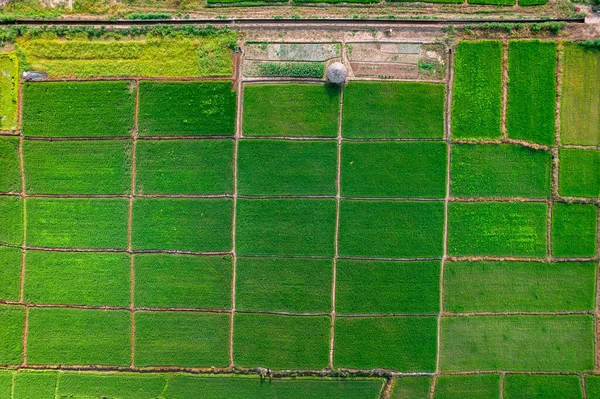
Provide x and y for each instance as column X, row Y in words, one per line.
column 384, row 239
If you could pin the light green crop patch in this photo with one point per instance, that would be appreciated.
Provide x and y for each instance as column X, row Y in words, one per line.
column 9, row 91
column 77, row 222
column 10, row 178
column 574, row 229
column 11, row 220
column 300, row 285
column 376, row 287
column 12, row 323
column 579, row 172
column 518, row 342
column 281, row 342
column 79, row 336
column 34, row 384
column 476, row 386
column 111, row 385
column 185, row 339
column 183, row 281
column 406, row 343
column 77, row 167
column 77, row 278
column 150, row 56
column 524, row 386
column 519, row 286
column 10, row 272
column 412, row 388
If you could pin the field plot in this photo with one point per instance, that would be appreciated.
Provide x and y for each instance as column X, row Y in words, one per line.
column 574, row 230
column 579, row 173
column 11, row 220
column 482, row 386
column 412, row 388
column 10, row 270
column 10, row 179
column 542, row 387
column 9, row 91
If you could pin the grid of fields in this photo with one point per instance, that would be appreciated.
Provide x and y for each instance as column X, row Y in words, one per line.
column 150, row 224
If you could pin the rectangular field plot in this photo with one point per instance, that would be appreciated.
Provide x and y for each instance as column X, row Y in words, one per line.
column 497, row 229
column 476, row 386
column 6, row 384
column 281, row 342
column 531, row 102
column 251, row 387
column 394, row 169
column 291, row 110
column 77, row 278
column 78, row 167
column 9, row 91
column 523, row 342
column 580, row 96
column 405, row 343
column 185, row 339
column 183, row 281
column 391, row 229
column 519, row 286
column 376, row 287
column 574, row 230
column 592, row 386
column 10, row 273
column 77, row 222
column 10, row 179
column 524, row 386
column 30, row 384
column 412, row 388
column 12, row 322
column 285, row 226
column 79, row 336
column 187, row 109
column 286, row 167
column 186, row 224
column 579, row 173
column 477, row 96
column 78, row 109
column 184, row 167
column 111, row 385
column 300, row 285
column 11, row 220
column 493, row 171
column 393, row 109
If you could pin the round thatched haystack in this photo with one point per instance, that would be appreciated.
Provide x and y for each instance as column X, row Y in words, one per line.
column 337, row 73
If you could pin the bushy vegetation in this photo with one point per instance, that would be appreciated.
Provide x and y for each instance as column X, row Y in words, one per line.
column 291, row 69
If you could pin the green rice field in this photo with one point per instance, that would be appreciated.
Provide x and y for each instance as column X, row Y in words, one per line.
column 295, row 239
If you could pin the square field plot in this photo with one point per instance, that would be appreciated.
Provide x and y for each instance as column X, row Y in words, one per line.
column 77, row 167
column 391, row 229
column 186, row 224
column 523, row 342
column 29, row 384
column 77, row 278
column 406, row 343
column 12, row 322
column 497, row 229
column 184, row 167
column 592, row 386
column 476, row 386
column 111, row 385
column 79, row 336
column 187, row 109
column 11, row 220
column 477, row 96
column 10, row 179
column 494, row 171
column 78, row 109
column 580, row 96
column 376, row 287
column 281, row 342
column 183, row 281
column 77, row 222
column 579, row 173
column 287, row 167
column 412, row 388
column 252, row 387
column 527, row 386
column 574, row 229
column 393, row 109
column 185, row 339
column 394, row 169
column 285, row 226
column 301, row 110
column 10, row 273
column 519, row 286
column 531, row 104
column 300, row 285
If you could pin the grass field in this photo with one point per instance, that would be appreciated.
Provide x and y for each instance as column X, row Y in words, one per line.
column 393, row 110
column 531, row 102
column 76, row 109
column 580, row 96
column 477, row 96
